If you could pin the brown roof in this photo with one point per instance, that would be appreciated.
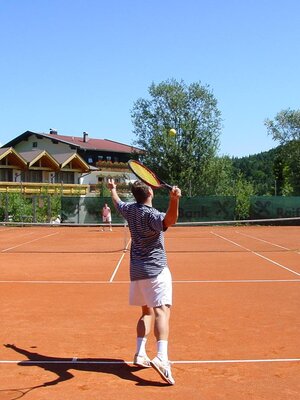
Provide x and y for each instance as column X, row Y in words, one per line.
column 30, row 155
column 94, row 144
column 65, row 158
column 12, row 155
column 34, row 155
column 88, row 144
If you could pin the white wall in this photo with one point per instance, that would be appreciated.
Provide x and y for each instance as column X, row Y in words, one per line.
column 43, row 144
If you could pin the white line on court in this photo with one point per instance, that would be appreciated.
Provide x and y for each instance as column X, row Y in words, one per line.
column 241, row 281
column 266, row 241
column 30, row 241
column 119, row 263
column 257, row 254
column 127, row 282
column 75, row 360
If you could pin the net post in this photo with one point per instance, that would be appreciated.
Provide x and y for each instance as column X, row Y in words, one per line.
column 125, row 235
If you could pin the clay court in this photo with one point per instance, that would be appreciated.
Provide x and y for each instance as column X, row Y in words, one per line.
column 67, row 331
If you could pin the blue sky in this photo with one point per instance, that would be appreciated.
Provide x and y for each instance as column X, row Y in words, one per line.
column 79, row 65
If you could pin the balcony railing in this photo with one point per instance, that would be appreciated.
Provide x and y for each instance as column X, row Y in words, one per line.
column 44, row 188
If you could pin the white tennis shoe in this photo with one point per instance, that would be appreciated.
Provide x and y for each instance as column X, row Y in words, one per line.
column 142, row 361
column 164, row 369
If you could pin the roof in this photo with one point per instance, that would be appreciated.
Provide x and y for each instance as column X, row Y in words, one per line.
column 79, row 142
column 29, row 158
column 13, row 155
column 66, row 158
column 35, row 155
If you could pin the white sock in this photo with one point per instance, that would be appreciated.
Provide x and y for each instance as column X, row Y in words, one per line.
column 162, row 349
column 141, row 346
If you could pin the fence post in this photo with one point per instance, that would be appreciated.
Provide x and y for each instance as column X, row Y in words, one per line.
column 6, row 208
column 34, row 202
column 49, row 208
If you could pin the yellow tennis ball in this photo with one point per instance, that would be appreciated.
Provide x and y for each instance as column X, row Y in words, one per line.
column 172, row 132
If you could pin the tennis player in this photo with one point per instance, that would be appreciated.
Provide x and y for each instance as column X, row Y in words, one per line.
column 106, row 216
column 151, row 281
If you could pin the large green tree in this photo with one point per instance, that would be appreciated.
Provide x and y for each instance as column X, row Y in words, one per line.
column 183, row 159
column 285, row 128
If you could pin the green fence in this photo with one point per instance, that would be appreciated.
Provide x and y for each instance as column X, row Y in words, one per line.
column 274, row 207
column 87, row 210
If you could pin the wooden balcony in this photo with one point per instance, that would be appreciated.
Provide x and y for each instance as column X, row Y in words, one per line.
column 65, row 189
column 113, row 166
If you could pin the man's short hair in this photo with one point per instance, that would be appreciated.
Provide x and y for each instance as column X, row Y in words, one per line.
column 140, row 191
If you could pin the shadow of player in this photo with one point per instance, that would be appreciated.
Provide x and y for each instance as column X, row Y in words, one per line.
column 61, row 368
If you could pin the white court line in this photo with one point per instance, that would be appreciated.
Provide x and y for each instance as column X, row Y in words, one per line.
column 127, row 282
column 265, row 241
column 22, row 244
column 257, row 254
column 75, row 360
column 241, row 281
column 119, row 263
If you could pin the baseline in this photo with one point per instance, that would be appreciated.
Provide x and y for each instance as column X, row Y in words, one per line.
column 75, row 360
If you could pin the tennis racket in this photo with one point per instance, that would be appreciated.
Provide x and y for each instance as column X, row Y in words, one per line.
column 147, row 176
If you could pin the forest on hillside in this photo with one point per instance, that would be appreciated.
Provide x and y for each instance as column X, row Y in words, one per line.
column 259, row 170
column 274, row 172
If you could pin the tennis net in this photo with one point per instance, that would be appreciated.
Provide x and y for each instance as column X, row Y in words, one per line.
column 271, row 235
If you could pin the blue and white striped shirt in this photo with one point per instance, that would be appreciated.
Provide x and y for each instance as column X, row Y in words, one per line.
column 147, row 253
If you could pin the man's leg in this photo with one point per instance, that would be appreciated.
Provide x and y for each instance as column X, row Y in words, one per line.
column 161, row 330
column 143, row 329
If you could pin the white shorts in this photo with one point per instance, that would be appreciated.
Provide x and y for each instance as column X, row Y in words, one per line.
column 153, row 292
column 106, row 219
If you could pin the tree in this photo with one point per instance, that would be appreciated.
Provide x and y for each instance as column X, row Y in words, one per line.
column 286, row 129
column 262, row 170
column 229, row 182
column 192, row 111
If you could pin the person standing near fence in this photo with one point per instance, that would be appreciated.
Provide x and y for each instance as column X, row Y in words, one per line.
column 151, row 281
column 106, row 216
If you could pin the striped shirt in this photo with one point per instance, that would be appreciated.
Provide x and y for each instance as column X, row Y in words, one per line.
column 147, row 252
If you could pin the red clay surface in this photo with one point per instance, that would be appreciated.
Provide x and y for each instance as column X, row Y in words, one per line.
column 68, row 332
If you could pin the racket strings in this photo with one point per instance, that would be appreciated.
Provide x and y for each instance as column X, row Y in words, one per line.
column 144, row 174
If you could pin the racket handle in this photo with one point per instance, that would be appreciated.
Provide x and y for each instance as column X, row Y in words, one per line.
column 167, row 186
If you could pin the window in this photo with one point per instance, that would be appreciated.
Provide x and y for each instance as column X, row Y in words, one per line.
column 65, row 177
column 100, row 158
column 108, row 158
column 32, row 176
column 6, row 175
column 34, row 145
column 90, row 160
